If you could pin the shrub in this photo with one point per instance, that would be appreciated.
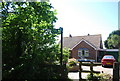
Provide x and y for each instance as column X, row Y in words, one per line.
column 99, row 77
column 71, row 62
column 95, row 77
column 72, row 65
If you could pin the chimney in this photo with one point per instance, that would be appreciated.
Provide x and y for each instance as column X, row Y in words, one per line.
column 70, row 35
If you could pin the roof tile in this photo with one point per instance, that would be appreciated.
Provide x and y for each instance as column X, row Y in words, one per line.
column 70, row 42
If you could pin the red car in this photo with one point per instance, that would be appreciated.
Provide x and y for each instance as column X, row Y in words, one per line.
column 108, row 60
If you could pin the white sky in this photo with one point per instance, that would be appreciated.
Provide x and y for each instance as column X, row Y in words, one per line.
column 80, row 17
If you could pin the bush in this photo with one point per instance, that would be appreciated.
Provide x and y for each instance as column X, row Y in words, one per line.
column 95, row 77
column 99, row 77
column 72, row 63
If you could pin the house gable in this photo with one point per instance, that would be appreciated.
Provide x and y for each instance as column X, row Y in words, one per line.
column 83, row 40
column 83, row 44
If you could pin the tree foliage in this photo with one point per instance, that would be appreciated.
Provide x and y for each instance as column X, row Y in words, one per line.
column 28, row 39
column 66, row 55
column 113, row 41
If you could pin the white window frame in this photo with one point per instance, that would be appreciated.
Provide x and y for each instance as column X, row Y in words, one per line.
column 79, row 53
column 86, row 52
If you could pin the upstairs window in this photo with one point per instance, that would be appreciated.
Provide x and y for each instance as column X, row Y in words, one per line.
column 83, row 52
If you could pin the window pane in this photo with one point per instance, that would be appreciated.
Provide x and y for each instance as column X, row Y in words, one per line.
column 86, row 53
column 79, row 52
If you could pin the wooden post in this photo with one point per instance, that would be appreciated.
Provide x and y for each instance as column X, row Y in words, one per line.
column 80, row 71
column 91, row 69
column 116, row 71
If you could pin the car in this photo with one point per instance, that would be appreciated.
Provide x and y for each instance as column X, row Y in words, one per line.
column 108, row 60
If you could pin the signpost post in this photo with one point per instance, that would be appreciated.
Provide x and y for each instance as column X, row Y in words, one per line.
column 61, row 31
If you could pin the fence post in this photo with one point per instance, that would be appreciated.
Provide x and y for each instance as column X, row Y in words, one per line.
column 80, row 71
column 116, row 71
column 91, row 69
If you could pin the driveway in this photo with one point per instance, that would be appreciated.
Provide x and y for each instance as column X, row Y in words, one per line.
column 75, row 75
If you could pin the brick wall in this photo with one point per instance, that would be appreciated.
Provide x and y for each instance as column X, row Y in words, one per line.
column 92, row 51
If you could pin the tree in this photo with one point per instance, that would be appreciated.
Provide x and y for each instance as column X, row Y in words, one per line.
column 113, row 41
column 66, row 54
column 28, row 40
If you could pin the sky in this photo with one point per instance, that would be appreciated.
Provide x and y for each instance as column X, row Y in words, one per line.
column 83, row 17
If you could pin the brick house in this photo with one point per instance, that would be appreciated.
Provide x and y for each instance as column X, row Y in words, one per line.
column 84, row 46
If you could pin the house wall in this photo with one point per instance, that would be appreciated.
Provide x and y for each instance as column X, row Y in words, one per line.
column 92, row 51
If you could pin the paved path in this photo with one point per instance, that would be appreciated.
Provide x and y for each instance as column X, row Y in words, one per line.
column 75, row 75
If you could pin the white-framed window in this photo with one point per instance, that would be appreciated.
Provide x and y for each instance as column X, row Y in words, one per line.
column 79, row 53
column 84, row 52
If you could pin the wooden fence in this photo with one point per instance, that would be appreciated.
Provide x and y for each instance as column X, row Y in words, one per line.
column 116, row 71
column 91, row 64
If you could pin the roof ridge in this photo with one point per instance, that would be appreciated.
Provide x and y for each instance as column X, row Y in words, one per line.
column 85, row 35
